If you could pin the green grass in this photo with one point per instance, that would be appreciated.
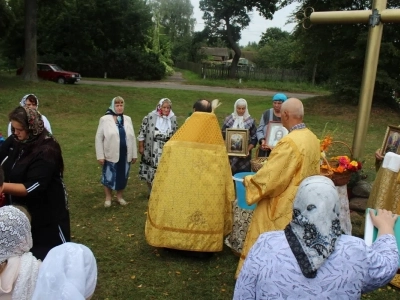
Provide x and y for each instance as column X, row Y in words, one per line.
column 299, row 87
column 128, row 267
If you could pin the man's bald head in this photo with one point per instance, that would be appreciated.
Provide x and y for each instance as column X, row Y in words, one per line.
column 202, row 105
column 292, row 113
column 294, row 107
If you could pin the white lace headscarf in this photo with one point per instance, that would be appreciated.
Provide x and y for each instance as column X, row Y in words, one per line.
column 68, row 272
column 239, row 120
column 16, row 240
column 163, row 123
column 23, row 100
column 315, row 226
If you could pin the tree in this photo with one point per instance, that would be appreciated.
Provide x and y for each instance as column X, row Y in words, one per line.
column 176, row 16
column 29, row 72
column 273, row 34
column 335, row 53
column 174, row 20
column 227, row 18
column 7, row 18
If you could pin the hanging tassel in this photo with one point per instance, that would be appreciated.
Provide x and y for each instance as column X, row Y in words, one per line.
column 214, row 104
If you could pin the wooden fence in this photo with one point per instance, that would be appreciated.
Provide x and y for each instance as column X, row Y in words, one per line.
column 244, row 72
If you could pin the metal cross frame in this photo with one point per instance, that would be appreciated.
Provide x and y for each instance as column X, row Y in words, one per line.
column 375, row 18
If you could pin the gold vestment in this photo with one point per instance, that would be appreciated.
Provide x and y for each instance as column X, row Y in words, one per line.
column 190, row 206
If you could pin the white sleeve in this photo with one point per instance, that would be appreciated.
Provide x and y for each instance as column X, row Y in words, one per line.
column 9, row 129
column 46, row 124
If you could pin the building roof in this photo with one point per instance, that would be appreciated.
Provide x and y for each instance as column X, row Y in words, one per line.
column 223, row 52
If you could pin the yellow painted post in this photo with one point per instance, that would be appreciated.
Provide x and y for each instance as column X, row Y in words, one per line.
column 368, row 82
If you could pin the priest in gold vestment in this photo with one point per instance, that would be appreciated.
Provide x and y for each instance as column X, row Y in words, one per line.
column 274, row 186
column 190, row 206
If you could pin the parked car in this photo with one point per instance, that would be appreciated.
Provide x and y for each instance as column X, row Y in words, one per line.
column 54, row 73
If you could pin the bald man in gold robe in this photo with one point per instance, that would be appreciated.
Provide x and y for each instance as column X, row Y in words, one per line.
column 295, row 157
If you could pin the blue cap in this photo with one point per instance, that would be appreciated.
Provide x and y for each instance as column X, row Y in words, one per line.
column 279, row 97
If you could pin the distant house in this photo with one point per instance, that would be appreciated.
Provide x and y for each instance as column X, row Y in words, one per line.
column 243, row 62
column 217, row 54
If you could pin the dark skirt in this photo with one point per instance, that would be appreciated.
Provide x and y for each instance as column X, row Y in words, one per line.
column 115, row 175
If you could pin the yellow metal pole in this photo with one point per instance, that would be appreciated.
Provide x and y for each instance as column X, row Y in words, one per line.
column 343, row 17
column 390, row 15
column 368, row 81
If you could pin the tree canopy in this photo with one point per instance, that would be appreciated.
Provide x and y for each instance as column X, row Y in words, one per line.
column 227, row 18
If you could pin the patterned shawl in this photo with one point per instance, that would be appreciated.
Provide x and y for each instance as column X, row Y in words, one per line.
column 315, row 227
column 35, row 125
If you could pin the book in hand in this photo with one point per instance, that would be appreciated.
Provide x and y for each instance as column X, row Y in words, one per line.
column 371, row 232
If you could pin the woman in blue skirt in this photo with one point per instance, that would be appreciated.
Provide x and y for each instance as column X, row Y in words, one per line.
column 115, row 150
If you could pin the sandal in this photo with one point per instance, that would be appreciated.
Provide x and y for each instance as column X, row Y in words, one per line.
column 122, row 202
column 107, row 203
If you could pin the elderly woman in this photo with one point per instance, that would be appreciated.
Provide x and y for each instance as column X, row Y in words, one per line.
column 270, row 115
column 33, row 167
column 156, row 129
column 18, row 267
column 31, row 101
column 115, row 149
column 310, row 259
column 241, row 119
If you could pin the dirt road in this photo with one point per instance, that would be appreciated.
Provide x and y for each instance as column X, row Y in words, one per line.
column 175, row 82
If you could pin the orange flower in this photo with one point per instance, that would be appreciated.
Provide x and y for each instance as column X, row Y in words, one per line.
column 340, row 169
column 325, row 143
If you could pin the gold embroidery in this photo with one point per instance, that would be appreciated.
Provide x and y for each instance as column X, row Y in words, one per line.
column 197, row 218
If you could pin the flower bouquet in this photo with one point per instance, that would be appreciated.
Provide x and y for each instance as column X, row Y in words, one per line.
column 339, row 168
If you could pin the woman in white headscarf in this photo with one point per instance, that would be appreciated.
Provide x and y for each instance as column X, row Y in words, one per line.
column 68, row 272
column 115, row 149
column 18, row 267
column 241, row 119
column 156, row 129
column 31, row 101
column 310, row 259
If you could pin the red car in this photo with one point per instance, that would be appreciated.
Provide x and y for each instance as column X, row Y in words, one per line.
column 54, row 73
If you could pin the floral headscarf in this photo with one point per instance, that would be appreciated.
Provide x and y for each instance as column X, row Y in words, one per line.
column 35, row 125
column 239, row 120
column 24, row 98
column 315, row 226
column 163, row 123
column 111, row 110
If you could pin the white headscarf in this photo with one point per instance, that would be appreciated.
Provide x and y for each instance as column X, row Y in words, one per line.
column 239, row 120
column 163, row 123
column 315, row 227
column 16, row 240
column 68, row 272
column 23, row 100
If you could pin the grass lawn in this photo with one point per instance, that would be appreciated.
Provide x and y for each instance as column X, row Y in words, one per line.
column 128, row 267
